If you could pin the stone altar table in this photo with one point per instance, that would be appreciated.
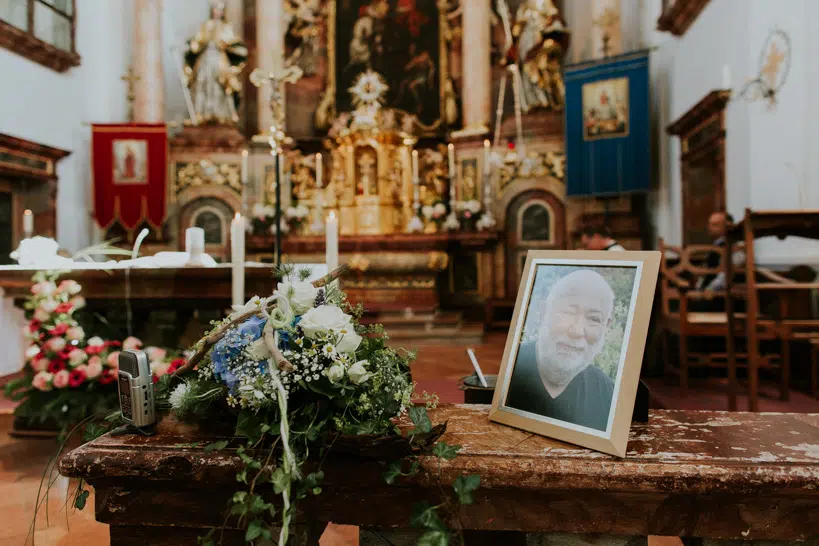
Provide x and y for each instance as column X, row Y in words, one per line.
column 713, row 475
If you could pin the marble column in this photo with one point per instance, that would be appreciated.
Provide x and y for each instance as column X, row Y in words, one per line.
column 270, row 29
column 477, row 69
column 235, row 14
column 149, row 89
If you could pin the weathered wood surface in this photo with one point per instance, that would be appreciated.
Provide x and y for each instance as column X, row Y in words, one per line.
column 703, row 474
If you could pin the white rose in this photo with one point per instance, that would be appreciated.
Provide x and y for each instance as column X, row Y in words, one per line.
column 44, row 288
column 159, row 368
column 253, row 304
column 335, row 373
column 75, row 333
column 349, row 342
column 78, row 302
column 55, row 344
column 358, row 372
column 49, row 306
column 32, row 351
column 156, row 353
column 41, row 314
column 257, row 351
column 300, row 294
column 40, row 364
column 96, row 341
column 326, row 318
column 440, row 208
column 77, row 357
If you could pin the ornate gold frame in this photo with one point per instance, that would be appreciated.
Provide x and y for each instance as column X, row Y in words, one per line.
column 443, row 71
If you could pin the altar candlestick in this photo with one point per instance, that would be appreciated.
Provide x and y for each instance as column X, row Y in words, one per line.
column 319, row 172
column 237, row 258
column 244, row 167
column 486, row 157
column 451, row 153
column 195, row 245
column 414, row 165
column 331, row 250
column 28, row 224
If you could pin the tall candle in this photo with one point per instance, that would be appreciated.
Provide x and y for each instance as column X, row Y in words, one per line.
column 331, row 250
column 28, row 223
column 319, row 172
column 414, row 166
column 451, row 152
column 486, row 157
column 195, row 245
column 244, row 167
column 726, row 77
column 237, row 258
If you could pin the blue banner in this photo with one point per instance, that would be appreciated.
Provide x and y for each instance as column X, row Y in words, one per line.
column 608, row 151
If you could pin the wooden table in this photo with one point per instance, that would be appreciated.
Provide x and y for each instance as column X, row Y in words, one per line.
column 694, row 474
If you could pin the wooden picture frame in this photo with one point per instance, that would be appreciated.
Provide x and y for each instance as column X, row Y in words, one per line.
column 596, row 308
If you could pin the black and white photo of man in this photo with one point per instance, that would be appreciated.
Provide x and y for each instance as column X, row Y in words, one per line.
column 554, row 374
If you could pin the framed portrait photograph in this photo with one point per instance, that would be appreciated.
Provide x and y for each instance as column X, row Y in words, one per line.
column 572, row 360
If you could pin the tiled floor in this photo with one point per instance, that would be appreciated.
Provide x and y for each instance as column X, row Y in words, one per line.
column 438, row 369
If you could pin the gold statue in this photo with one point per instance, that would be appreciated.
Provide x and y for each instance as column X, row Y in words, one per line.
column 214, row 58
column 540, row 39
column 469, row 182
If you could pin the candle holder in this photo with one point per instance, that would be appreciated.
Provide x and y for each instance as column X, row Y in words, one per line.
column 416, row 225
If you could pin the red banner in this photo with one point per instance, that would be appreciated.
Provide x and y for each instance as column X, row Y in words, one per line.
column 129, row 163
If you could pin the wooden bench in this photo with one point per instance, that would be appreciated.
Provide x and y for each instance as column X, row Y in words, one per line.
column 690, row 474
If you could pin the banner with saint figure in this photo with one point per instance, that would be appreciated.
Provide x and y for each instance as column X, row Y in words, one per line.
column 129, row 164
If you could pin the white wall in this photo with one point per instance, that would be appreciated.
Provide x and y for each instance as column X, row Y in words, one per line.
column 770, row 153
column 50, row 108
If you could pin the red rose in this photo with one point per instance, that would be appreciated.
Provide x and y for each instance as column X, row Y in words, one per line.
column 113, row 344
column 155, row 378
column 34, row 325
column 58, row 330
column 94, row 349
column 64, row 308
column 56, row 365
column 176, row 364
column 76, row 378
column 107, row 376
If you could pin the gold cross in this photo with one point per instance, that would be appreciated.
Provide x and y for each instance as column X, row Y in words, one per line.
column 130, row 78
column 772, row 64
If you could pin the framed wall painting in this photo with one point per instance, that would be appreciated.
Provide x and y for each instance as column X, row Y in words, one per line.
column 404, row 41
column 572, row 360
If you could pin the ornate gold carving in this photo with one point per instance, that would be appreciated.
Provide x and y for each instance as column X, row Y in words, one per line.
column 394, row 284
column 359, row 263
column 534, row 165
column 438, row 261
column 205, row 173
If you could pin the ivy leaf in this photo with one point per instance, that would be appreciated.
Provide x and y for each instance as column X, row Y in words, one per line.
column 216, row 446
column 393, row 472
column 444, row 451
column 464, row 486
column 257, row 504
column 426, row 517
column 207, row 540
column 81, row 499
column 254, row 530
column 248, row 425
column 279, row 480
column 418, row 416
column 434, row 538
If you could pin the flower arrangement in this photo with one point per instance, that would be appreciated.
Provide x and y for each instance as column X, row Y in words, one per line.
column 297, row 370
column 434, row 213
column 66, row 375
column 296, row 216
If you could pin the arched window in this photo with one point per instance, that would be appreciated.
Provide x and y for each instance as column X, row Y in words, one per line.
column 213, row 224
column 535, row 223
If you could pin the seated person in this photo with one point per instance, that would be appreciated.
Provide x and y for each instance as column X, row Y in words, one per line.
column 599, row 238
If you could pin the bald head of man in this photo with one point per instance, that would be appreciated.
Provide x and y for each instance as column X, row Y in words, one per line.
column 573, row 327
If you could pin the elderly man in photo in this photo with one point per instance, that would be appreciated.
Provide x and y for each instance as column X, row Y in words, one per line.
column 554, row 375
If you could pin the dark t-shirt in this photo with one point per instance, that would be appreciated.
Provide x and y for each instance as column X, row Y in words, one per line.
column 586, row 401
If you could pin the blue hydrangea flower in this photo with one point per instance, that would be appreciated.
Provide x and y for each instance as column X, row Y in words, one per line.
column 229, row 348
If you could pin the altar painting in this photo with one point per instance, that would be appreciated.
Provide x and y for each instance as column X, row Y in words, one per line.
column 399, row 39
column 605, row 109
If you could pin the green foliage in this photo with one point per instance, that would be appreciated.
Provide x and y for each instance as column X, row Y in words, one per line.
column 216, row 446
column 444, row 451
column 464, row 486
column 418, row 416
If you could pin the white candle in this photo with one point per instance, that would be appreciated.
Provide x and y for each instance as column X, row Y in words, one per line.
column 331, row 250
column 28, row 223
column 415, row 166
column 195, row 245
column 451, row 153
column 319, row 172
column 726, row 77
column 237, row 258
column 244, row 167
column 486, row 156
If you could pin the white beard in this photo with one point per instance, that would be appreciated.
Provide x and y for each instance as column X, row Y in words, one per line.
column 558, row 366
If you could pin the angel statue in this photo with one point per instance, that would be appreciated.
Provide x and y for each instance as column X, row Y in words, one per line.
column 536, row 43
column 214, row 58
